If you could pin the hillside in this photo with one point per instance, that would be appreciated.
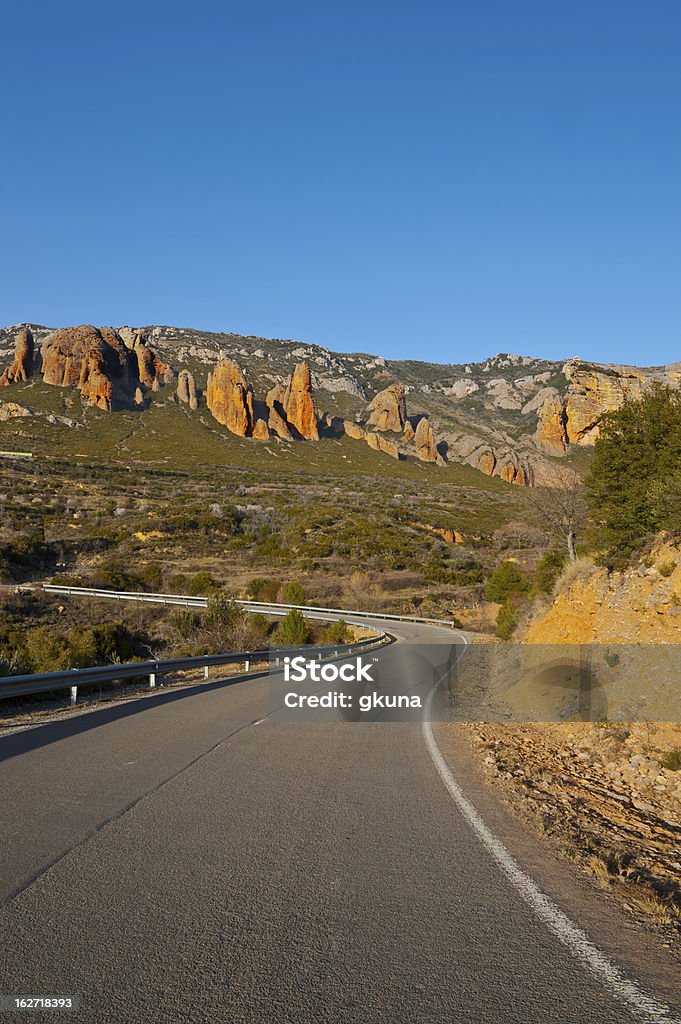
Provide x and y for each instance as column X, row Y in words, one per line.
column 512, row 417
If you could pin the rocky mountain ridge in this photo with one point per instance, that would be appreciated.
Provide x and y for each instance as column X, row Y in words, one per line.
column 511, row 416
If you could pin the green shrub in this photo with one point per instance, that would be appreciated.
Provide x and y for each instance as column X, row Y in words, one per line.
column 202, row 583
column 505, row 581
column 336, row 633
column 549, row 567
column 152, row 576
column 293, row 593
column 293, row 629
column 261, row 589
column 634, row 484
column 666, row 569
column 508, row 616
column 185, row 622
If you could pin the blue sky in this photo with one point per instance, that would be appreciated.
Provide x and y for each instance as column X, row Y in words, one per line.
column 438, row 180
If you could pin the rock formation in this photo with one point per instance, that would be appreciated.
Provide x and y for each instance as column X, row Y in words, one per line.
column 424, row 440
column 277, row 418
column 382, row 444
column 20, row 367
column 230, row 398
column 10, row 411
column 186, row 389
column 261, row 432
column 298, row 403
column 139, row 397
column 551, row 427
column 388, row 409
column 593, row 391
column 447, row 533
column 408, row 431
column 355, row 430
column 93, row 359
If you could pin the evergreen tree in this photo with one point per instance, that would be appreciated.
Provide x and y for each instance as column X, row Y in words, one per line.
column 634, row 485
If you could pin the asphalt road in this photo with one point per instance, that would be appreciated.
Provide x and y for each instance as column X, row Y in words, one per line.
column 195, row 857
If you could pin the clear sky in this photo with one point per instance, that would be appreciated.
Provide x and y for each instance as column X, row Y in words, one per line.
column 425, row 179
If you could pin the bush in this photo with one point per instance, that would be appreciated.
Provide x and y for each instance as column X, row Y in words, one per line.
column 185, row 622
column 202, row 583
column 261, row 589
column 293, row 629
column 508, row 616
column 336, row 633
column 152, row 576
column 549, row 567
column 505, row 581
column 293, row 593
column 666, row 569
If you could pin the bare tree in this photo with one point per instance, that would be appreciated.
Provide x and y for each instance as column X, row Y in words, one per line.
column 559, row 500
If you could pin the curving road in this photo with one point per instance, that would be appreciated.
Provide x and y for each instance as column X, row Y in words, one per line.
column 197, row 857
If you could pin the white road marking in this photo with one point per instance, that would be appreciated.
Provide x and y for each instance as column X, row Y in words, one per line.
column 573, row 937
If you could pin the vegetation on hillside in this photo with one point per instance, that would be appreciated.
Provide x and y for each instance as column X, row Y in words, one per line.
column 634, row 485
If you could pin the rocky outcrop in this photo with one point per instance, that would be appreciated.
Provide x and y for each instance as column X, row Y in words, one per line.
column 277, row 417
column 551, row 427
column 298, row 403
column 593, row 391
column 230, row 398
column 22, row 364
column 448, row 534
column 95, row 360
column 424, row 441
column 98, row 361
column 261, row 432
column 408, row 431
column 388, row 409
column 186, row 389
column 11, row 411
column 355, row 430
column 382, row 444
column 138, row 397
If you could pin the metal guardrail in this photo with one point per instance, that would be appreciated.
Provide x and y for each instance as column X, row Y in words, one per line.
column 274, row 608
column 24, row 685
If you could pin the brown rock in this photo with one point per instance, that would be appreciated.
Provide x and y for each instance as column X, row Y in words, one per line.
column 277, row 417
column 551, row 429
column 591, row 392
column 186, row 389
column 486, row 463
column 298, row 404
column 230, row 398
column 20, row 367
column 382, row 444
column 93, row 359
column 448, row 534
column 388, row 409
column 261, row 431
column 424, row 440
column 10, row 411
column 408, row 431
column 355, row 430
column 139, row 397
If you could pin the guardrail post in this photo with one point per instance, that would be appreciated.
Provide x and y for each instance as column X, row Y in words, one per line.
column 152, row 680
column 247, row 665
column 205, row 671
column 73, row 696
